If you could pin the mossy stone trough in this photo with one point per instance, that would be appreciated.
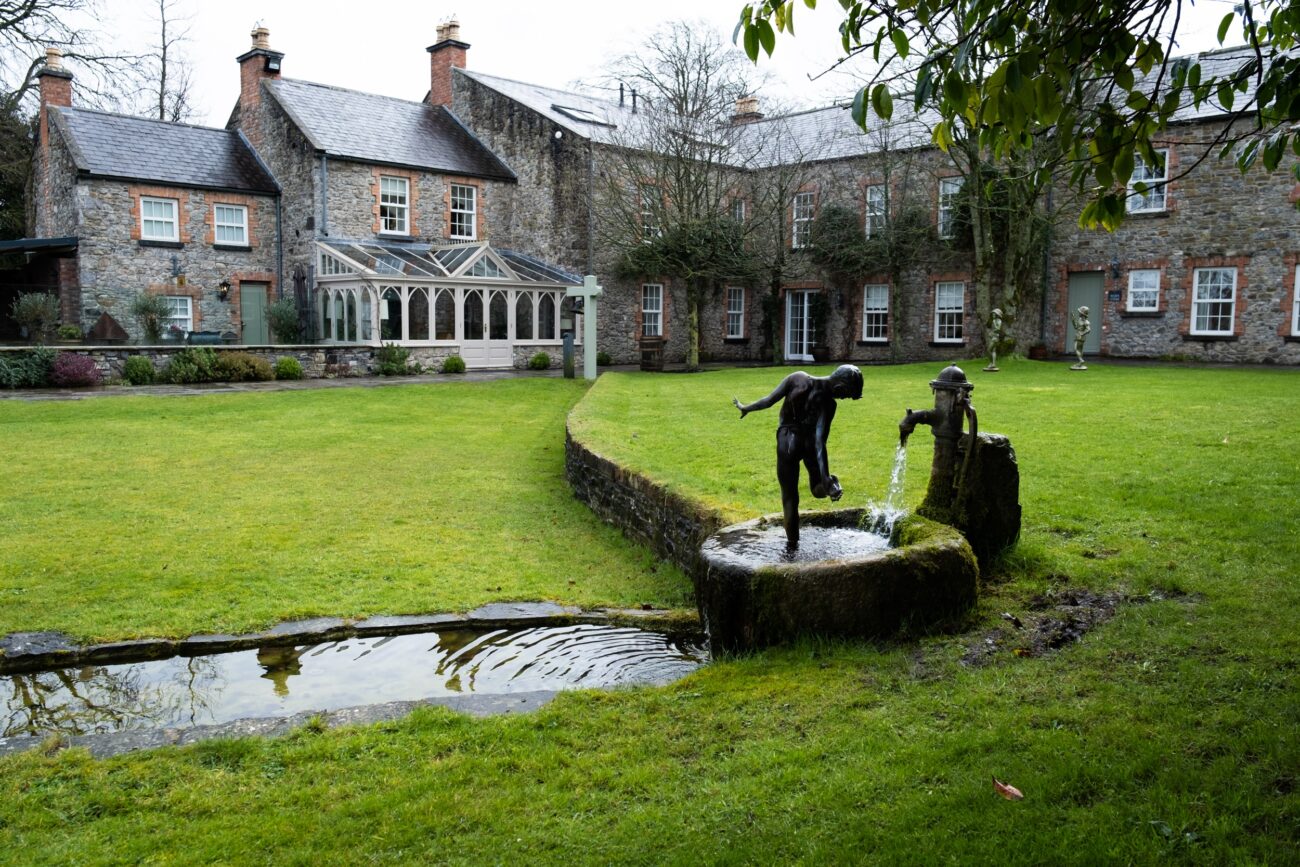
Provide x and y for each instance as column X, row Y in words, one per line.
column 929, row 574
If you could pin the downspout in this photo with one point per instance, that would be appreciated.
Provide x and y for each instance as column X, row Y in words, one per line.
column 279, row 250
column 1047, row 272
column 591, row 205
column 324, row 195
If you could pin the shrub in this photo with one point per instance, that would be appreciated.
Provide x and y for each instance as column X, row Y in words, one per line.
column 149, row 312
column 393, row 360
column 192, row 364
column 69, row 332
column 243, row 367
column 453, row 364
column 288, row 368
column 540, row 361
column 27, row 369
column 283, row 317
column 138, row 370
column 603, row 359
column 71, row 369
column 37, row 312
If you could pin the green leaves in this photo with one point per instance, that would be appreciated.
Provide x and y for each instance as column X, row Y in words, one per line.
column 1224, row 25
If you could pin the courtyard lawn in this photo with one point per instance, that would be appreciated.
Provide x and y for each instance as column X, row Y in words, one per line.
column 1167, row 733
column 170, row 516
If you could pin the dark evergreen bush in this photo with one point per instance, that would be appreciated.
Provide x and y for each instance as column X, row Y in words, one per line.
column 71, row 370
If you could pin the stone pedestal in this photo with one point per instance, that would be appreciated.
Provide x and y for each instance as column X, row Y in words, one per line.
column 988, row 507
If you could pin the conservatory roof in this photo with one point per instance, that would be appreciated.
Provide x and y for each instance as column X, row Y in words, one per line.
column 473, row 260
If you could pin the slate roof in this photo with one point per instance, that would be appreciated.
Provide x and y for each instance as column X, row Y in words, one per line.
column 371, row 128
column 136, row 148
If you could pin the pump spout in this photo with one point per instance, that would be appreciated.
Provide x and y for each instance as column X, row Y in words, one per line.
column 911, row 420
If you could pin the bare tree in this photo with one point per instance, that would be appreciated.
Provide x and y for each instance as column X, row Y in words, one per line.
column 171, row 82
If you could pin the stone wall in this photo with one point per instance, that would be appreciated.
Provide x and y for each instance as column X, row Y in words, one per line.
column 115, row 265
column 670, row 525
column 294, row 165
column 1214, row 217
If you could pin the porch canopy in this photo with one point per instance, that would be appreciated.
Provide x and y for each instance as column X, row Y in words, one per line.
column 491, row 305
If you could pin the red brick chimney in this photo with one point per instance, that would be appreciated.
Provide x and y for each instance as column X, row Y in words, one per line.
column 56, row 87
column 256, row 65
column 444, row 55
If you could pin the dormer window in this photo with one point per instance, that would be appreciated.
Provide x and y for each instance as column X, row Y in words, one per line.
column 394, row 205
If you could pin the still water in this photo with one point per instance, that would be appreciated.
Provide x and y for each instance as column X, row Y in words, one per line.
column 279, row 681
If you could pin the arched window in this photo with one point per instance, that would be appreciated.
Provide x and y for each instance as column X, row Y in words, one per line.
column 546, row 317
column 498, row 317
column 417, row 310
column 524, row 316
column 390, row 314
column 367, row 315
column 350, row 315
column 444, row 315
column 472, row 315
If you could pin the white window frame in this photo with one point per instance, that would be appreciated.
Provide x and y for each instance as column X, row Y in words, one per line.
column 652, row 310
column 1295, row 304
column 1198, row 303
column 949, row 188
column 182, row 314
column 738, row 210
column 949, row 319
column 1143, row 298
column 173, row 205
column 240, row 223
column 464, row 207
column 1155, row 198
column 875, row 316
column 803, row 208
column 650, row 204
column 394, row 205
column 735, row 312
column 877, row 211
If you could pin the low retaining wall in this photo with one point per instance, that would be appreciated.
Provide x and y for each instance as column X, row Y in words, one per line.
column 670, row 525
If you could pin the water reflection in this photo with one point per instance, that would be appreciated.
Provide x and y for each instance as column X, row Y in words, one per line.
column 329, row 675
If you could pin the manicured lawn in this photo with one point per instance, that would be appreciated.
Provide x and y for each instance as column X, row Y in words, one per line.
column 1168, row 733
column 146, row 516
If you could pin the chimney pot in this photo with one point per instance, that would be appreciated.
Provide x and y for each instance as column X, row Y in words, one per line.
column 453, row 30
column 261, row 38
column 53, row 58
column 746, row 110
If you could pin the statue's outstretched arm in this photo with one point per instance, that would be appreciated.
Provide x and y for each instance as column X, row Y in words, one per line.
column 763, row 402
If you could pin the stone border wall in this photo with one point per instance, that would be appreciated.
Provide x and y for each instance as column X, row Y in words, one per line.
column 670, row 525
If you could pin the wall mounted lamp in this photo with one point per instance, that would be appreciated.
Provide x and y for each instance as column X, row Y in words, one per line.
column 223, row 290
column 1114, row 267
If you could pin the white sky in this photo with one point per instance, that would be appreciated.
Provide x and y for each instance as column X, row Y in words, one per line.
column 379, row 45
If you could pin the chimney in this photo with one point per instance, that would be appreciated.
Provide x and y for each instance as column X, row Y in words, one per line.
column 255, row 65
column 55, row 87
column 746, row 111
column 446, row 54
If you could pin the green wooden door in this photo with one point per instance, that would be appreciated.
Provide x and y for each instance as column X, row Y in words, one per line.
column 252, row 313
column 1085, row 291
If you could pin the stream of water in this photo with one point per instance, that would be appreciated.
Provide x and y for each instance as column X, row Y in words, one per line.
column 881, row 517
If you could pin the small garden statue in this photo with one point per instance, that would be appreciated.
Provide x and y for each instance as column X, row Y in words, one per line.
column 806, row 415
column 1079, row 319
column 995, row 337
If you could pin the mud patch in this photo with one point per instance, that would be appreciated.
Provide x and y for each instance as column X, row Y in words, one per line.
column 1052, row 621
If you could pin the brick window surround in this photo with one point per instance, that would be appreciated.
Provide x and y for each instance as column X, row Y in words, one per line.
column 1289, row 327
column 249, row 203
column 480, row 205
column 1240, row 296
column 963, row 278
column 412, row 199
column 182, row 198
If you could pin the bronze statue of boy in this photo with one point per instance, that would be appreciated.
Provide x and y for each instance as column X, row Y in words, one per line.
column 806, row 415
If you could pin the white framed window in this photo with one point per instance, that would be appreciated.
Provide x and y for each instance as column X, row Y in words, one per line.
column 735, row 312
column 394, row 205
column 875, row 312
column 1144, row 290
column 464, row 212
column 949, row 189
column 158, row 220
column 1295, row 303
column 738, row 210
column 949, row 312
column 1214, row 300
column 180, row 314
column 876, row 210
column 652, row 308
column 1153, row 178
column 650, row 202
column 332, row 267
column 230, row 225
column 802, row 210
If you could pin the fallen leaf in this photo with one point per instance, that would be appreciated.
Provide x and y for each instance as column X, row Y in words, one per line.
column 1011, row 793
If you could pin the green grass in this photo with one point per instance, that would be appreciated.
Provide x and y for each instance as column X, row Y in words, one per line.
column 132, row 517
column 1168, row 734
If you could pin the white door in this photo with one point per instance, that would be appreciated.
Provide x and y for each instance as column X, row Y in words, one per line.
column 798, row 325
column 500, row 334
column 473, row 328
column 485, row 339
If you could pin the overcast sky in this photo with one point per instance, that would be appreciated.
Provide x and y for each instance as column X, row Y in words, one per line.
column 379, row 45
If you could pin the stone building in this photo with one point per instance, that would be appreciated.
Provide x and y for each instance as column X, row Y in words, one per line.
column 452, row 225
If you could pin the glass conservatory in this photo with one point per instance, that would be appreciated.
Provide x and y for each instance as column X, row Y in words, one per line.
column 486, row 302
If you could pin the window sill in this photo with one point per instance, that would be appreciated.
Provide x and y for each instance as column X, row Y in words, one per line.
column 1142, row 215
column 735, row 340
column 884, row 342
column 169, row 245
column 234, row 248
column 471, row 238
column 1209, row 338
column 942, row 343
column 395, row 236
column 1141, row 314
column 1291, row 338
